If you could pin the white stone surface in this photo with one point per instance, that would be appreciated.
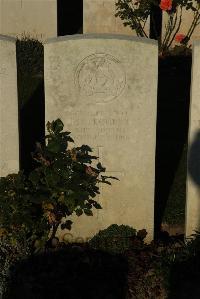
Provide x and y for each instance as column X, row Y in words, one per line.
column 104, row 89
column 99, row 17
column 193, row 179
column 35, row 18
column 9, row 144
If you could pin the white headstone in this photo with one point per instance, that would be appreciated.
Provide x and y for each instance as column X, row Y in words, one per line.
column 104, row 89
column 193, row 179
column 99, row 17
column 9, row 140
column 34, row 18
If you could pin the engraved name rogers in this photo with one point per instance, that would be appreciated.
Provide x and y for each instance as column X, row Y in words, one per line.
column 100, row 77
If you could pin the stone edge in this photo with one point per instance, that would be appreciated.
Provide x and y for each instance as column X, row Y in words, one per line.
column 8, row 38
column 101, row 36
column 196, row 43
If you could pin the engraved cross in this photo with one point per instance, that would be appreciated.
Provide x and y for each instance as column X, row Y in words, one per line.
column 108, row 172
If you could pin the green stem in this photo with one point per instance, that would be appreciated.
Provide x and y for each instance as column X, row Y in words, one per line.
column 177, row 29
column 171, row 27
column 140, row 29
column 55, row 227
column 193, row 26
column 166, row 34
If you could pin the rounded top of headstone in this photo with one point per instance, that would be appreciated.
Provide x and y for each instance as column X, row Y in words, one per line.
column 101, row 36
column 8, row 38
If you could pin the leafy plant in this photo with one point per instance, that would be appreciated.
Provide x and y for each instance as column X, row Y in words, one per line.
column 135, row 14
column 32, row 207
column 116, row 238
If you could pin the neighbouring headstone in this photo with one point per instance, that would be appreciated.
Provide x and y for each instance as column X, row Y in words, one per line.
column 99, row 17
column 33, row 18
column 104, row 89
column 193, row 178
column 9, row 140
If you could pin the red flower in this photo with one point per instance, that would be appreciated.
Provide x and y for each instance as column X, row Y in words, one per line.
column 166, row 4
column 179, row 37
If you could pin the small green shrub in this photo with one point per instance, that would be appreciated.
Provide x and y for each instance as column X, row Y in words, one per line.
column 33, row 207
column 116, row 238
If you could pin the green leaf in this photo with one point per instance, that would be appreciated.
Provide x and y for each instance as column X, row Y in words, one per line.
column 67, row 225
column 70, row 203
column 88, row 212
column 34, row 177
column 79, row 212
column 57, row 126
column 100, row 167
column 85, row 148
column 111, row 177
column 53, row 146
column 97, row 205
column 88, row 206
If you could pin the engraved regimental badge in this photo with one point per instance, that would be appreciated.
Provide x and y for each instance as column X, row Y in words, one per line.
column 100, row 77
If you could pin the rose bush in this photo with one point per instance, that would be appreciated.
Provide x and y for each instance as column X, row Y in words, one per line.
column 66, row 182
column 179, row 38
column 135, row 14
column 165, row 4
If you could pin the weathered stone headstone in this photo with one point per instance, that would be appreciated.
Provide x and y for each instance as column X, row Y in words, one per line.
column 193, row 179
column 99, row 17
column 34, row 18
column 104, row 89
column 9, row 140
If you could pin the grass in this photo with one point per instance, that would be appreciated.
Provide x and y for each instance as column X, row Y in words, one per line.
column 175, row 208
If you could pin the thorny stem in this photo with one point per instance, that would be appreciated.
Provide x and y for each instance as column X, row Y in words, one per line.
column 193, row 25
column 139, row 30
column 177, row 29
column 166, row 34
column 171, row 27
column 190, row 29
column 55, row 227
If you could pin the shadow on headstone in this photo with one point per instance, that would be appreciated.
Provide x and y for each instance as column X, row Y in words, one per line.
column 194, row 160
column 194, row 168
column 172, row 127
column 155, row 22
column 69, row 16
column 32, row 127
column 71, row 273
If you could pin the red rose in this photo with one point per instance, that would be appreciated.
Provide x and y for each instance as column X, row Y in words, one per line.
column 179, row 37
column 166, row 4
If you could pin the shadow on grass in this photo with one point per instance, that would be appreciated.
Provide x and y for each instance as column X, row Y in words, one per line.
column 185, row 279
column 71, row 273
